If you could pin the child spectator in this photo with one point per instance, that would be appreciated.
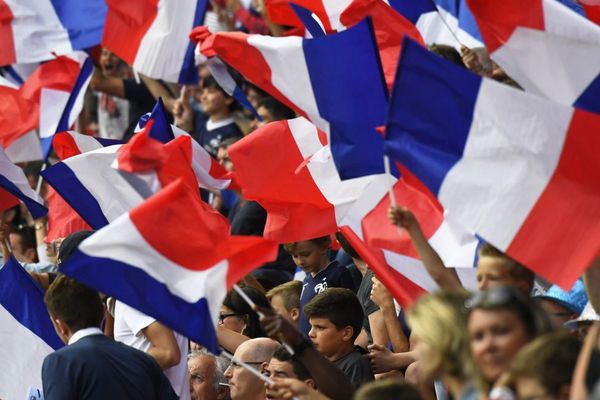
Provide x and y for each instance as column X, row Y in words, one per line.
column 285, row 300
column 336, row 319
column 312, row 258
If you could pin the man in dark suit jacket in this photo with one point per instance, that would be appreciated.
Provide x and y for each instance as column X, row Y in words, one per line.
column 94, row 366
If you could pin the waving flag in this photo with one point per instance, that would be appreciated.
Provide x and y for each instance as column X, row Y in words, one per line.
column 152, row 36
column 592, row 10
column 70, row 143
column 209, row 173
column 17, row 123
column 320, row 78
column 181, row 283
column 548, row 49
column 26, row 332
column 301, row 202
column 441, row 21
column 14, row 186
column 327, row 11
column 32, row 30
column 519, row 170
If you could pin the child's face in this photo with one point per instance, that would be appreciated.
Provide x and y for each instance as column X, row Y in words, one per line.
column 213, row 101
column 325, row 336
column 310, row 257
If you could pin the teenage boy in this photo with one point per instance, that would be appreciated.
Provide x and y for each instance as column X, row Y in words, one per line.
column 336, row 318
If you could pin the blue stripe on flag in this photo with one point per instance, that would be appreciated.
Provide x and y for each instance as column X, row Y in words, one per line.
column 142, row 292
column 161, row 129
column 460, row 10
column 36, row 209
column 24, row 300
column 306, row 16
column 428, row 128
column 590, row 98
column 189, row 71
column 351, row 94
column 413, row 9
column 84, row 21
column 108, row 142
column 65, row 182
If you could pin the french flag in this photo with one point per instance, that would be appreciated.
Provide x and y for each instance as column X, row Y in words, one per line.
column 592, row 10
column 152, row 36
column 209, row 173
column 320, row 78
column 442, row 21
column 181, row 283
column 327, row 11
column 17, row 123
column 26, row 331
column 14, row 187
column 70, row 143
column 520, row 171
column 34, row 30
column 544, row 46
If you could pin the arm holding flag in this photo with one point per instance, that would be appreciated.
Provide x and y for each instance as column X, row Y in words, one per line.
column 446, row 278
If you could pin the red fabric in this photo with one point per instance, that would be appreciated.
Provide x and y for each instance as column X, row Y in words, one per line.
column 592, row 10
column 7, row 200
column 390, row 28
column 141, row 153
column 126, row 24
column 64, row 145
column 200, row 239
column 280, row 12
column 266, row 163
column 18, row 116
column 497, row 20
column 62, row 219
column 7, row 43
column 252, row 23
column 559, row 238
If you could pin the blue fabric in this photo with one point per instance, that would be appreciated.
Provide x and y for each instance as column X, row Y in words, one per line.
column 36, row 209
column 574, row 300
column 351, row 94
column 308, row 21
column 413, row 9
column 427, row 130
column 24, row 300
column 189, row 72
column 84, row 21
column 460, row 10
column 65, row 182
column 590, row 98
column 139, row 290
column 161, row 129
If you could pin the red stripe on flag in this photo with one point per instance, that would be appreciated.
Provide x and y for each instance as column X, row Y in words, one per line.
column 559, row 238
column 8, row 54
column 497, row 20
column 7, row 200
column 64, row 145
column 280, row 12
column 62, row 219
column 126, row 24
column 233, row 48
column 18, row 116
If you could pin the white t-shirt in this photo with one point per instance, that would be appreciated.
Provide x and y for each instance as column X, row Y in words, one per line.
column 129, row 323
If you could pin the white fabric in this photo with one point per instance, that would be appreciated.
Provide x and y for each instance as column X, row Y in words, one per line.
column 129, row 324
column 52, row 105
column 17, row 177
column 26, row 148
column 211, row 126
column 22, row 354
column 80, row 334
column 113, row 126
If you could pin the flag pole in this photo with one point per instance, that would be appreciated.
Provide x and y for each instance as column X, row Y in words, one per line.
column 253, row 306
column 38, row 187
column 448, row 26
column 386, row 165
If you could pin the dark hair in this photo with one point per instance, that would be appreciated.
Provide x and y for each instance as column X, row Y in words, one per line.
column 211, row 83
column 531, row 315
column 71, row 243
column 447, row 52
column 387, row 389
column 235, row 302
column 346, row 246
column 322, row 241
column 278, row 110
column 516, row 270
column 300, row 370
column 27, row 235
column 340, row 306
column 77, row 305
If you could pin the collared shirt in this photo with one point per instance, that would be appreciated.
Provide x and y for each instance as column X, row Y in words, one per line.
column 85, row 332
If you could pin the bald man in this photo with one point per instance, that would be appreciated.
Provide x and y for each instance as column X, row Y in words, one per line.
column 257, row 353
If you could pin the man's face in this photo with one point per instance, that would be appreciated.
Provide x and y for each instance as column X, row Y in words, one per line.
column 278, row 369
column 21, row 254
column 243, row 384
column 202, row 375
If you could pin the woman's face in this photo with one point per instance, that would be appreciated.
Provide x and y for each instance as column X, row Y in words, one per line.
column 230, row 320
column 495, row 337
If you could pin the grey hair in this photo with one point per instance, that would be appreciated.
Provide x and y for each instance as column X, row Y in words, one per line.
column 221, row 364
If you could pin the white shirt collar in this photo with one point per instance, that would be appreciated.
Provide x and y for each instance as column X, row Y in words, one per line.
column 85, row 332
column 210, row 126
